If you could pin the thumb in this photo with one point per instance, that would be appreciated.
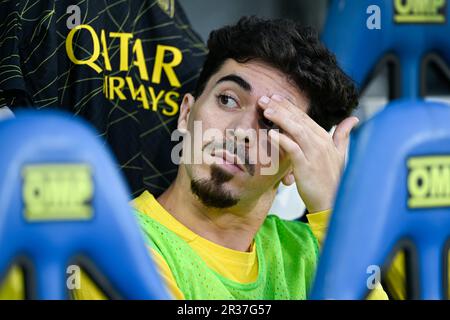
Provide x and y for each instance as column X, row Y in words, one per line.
column 341, row 135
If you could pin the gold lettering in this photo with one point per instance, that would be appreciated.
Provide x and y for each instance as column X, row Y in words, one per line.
column 105, row 51
column 138, row 95
column 167, row 66
column 171, row 103
column 140, row 60
column 95, row 52
column 124, row 43
column 117, row 89
column 155, row 99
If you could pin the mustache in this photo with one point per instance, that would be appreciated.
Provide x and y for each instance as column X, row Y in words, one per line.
column 237, row 149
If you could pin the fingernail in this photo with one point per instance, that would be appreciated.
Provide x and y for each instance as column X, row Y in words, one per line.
column 277, row 98
column 264, row 100
column 269, row 111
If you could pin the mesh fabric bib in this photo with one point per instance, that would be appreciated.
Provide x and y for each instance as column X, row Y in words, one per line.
column 287, row 256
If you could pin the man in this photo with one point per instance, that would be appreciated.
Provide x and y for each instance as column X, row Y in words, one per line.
column 210, row 232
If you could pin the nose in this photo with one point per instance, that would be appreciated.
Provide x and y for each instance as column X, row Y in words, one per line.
column 245, row 129
column 245, row 135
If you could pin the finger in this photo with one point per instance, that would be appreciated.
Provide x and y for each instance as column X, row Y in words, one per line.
column 300, row 134
column 298, row 114
column 341, row 136
column 289, row 146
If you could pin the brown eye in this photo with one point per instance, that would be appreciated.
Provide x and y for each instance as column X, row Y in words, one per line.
column 227, row 101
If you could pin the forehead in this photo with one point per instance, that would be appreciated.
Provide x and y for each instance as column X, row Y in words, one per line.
column 264, row 80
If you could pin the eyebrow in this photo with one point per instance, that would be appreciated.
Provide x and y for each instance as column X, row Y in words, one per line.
column 236, row 79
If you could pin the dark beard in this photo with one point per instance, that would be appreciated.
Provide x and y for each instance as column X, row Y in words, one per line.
column 211, row 192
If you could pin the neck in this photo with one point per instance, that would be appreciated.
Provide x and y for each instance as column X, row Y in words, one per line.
column 234, row 228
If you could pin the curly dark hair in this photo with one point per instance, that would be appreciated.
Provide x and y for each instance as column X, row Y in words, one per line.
column 294, row 50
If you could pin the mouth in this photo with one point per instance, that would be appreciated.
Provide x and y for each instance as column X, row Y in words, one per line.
column 229, row 161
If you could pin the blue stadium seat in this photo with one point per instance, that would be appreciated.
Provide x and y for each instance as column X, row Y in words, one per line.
column 408, row 37
column 395, row 193
column 62, row 202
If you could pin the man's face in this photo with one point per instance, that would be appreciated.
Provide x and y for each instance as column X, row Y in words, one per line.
column 233, row 140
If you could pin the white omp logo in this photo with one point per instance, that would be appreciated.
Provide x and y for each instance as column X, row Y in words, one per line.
column 74, row 277
column 375, row 276
column 241, row 149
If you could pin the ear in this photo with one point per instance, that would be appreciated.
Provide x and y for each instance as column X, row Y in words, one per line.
column 288, row 179
column 185, row 110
